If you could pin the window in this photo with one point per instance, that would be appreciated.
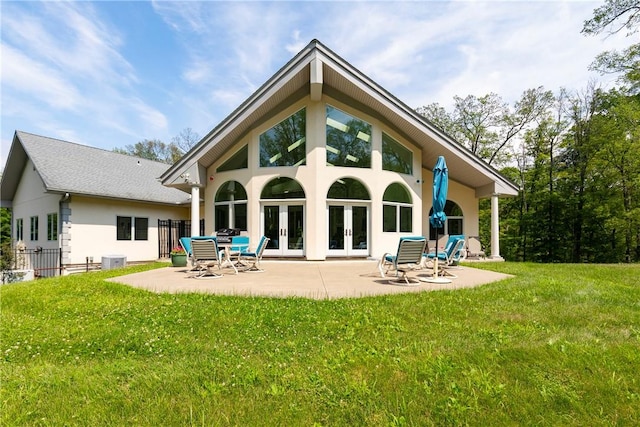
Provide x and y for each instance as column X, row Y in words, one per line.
column 282, row 188
column 52, row 226
column 285, row 143
column 19, row 229
column 348, row 140
column 238, row 161
column 453, row 225
column 124, row 228
column 397, row 210
column 140, row 225
column 230, row 206
column 142, row 228
column 34, row 228
column 395, row 156
column 348, row 188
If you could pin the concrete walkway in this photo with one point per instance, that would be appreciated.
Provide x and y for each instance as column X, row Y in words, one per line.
column 307, row 279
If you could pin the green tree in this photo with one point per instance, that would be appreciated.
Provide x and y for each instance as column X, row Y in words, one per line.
column 616, row 131
column 156, row 150
column 486, row 125
column 612, row 17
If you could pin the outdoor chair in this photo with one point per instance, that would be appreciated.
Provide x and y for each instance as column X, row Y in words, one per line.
column 185, row 242
column 206, row 256
column 447, row 257
column 475, row 249
column 238, row 244
column 253, row 258
column 407, row 257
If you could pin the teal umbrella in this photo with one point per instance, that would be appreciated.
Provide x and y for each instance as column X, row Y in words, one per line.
column 440, row 187
column 438, row 217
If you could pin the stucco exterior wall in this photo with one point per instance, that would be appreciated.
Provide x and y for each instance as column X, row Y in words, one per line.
column 31, row 200
column 316, row 178
column 93, row 231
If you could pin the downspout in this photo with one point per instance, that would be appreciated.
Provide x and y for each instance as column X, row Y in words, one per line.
column 63, row 220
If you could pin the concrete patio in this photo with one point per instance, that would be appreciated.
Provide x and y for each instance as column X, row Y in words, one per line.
column 306, row 279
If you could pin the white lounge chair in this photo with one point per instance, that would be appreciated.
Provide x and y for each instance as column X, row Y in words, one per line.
column 253, row 258
column 206, row 256
column 407, row 257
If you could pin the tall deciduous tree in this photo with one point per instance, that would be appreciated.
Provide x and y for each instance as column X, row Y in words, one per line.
column 615, row 16
column 154, row 149
column 486, row 125
column 616, row 131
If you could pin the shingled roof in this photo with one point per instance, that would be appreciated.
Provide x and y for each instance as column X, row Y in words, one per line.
column 67, row 167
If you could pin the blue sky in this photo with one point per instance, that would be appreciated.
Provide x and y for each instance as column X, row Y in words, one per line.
column 112, row 73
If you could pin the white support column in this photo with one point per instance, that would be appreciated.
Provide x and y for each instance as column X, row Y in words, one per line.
column 195, row 210
column 495, row 228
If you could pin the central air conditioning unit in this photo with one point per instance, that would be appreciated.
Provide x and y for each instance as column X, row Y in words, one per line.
column 113, row 261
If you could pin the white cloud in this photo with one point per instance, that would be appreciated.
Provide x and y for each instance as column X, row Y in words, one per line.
column 23, row 74
column 65, row 65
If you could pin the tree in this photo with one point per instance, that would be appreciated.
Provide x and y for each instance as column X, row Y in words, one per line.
column 614, row 16
column 185, row 140
column 156, row 150
column 151, row 149
column 486, row 125
column 616, row 131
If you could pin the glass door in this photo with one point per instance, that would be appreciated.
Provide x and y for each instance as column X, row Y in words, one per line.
column 348, row 230
column 284, row 225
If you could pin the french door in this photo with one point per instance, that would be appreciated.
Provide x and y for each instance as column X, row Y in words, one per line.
column 348, row 230
column 284, row 225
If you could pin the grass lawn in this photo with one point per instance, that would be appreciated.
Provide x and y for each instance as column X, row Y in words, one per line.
column 555, row 345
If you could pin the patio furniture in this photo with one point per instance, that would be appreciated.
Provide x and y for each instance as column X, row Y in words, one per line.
column 407, row 257
column 185, row 242
column 206, row 256
column 253, row 258
column 447, row 257
column 237, row 246
column 475, row 249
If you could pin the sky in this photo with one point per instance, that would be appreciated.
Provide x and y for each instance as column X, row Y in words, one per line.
column 112, row 73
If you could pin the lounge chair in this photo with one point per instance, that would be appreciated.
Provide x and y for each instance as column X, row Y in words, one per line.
column 253, row 258
column 185, row 242
column 206, row 256
column 449, row 256
column 407, row 257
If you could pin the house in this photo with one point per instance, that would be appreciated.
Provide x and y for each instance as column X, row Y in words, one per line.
column 326, row 163
column 86, row 201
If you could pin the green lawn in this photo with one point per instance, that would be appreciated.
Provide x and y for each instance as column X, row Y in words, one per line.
column 556, row 345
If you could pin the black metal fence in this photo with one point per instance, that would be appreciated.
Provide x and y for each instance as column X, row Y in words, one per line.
column 170, row 231
column 43, row 262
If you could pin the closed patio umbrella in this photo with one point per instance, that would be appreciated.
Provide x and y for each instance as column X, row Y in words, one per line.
column 438, row 217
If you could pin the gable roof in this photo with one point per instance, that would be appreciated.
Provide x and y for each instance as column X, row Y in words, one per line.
column 67, row 167
column 317, row 70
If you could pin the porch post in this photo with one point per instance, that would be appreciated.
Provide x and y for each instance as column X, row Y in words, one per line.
column 195, row 210
column 495, row 228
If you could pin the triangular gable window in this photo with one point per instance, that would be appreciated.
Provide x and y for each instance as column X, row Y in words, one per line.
column 238, row 161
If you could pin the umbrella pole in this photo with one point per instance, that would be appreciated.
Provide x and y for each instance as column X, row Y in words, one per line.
column 435, row 278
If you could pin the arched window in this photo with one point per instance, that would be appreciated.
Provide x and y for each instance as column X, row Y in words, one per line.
column 230, row 206
column 282, row 188
column 348, row 188
column 454, row 221
column 397, row 209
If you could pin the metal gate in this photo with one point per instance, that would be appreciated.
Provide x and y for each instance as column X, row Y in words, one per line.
column 170, row 231
column 43, row 262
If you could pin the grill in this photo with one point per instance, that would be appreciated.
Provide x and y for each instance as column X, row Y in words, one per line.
column 224, row 235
